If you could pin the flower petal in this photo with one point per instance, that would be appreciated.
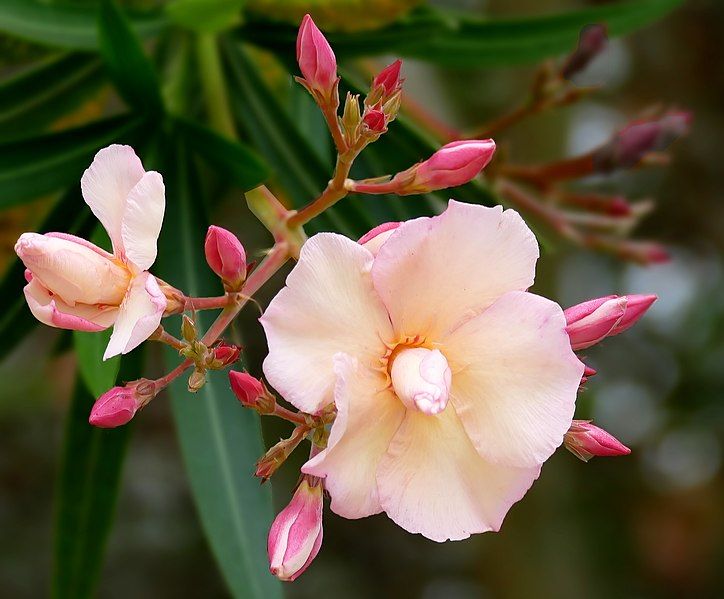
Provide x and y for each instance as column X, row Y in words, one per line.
column 432, row 481
column 139, row 315
column 433, row 272
column 54, row 312
column 328, row 306
column 368, row 414
column 142, row 220
column 515, row 379
column 106, row 183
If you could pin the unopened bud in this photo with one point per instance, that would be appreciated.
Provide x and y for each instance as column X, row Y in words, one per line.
column 251, row 392
column 223, row 355
column 316, row 61
column 389, row 78
column 351, row 118
column 591, row 42
column 278, row 454
column 295, row 535
column 584, row 440
column 375, row 121
column 118, row 405
column 197, row 380
column 628, row 146
column 226, row 256
column 188, row 329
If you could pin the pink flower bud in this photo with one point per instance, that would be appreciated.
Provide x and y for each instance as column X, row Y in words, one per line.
column 375, row 120
column 374, row 239
column 225, row 354
column 118, row 405
column 389, row 79
column 316, row 58
column 594, row 320
column 454, row 164
column 226, row 257
column 246, row 388
column 296, row 533
column 585, row 440
column 592, row 41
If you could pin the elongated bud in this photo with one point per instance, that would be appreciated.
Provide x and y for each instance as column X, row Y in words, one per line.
column 316, row 60
column 118, row 405
column 591, row 42
column 375, row 121
column 295, row 535
column 251, row 392
column 628, row 146
column 374, row 239
column 351, row 118
column 226, row 257
column 454, row 164
column 594, row 320
column 584, row 440
column 223, row 355
column 386, row 84
column 188, row 328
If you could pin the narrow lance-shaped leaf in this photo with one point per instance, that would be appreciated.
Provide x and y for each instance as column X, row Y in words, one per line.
column 220, row 441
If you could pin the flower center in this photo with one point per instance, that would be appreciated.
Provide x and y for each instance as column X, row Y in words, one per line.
column 421, row 379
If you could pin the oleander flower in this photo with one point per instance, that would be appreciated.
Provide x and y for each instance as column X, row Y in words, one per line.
column 452, row 383
column 74, row 284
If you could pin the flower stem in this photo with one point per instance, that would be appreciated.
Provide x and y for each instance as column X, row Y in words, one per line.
column 208, row 303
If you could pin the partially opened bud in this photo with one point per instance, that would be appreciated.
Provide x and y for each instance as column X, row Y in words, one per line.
column 295, row 535
column 251, row 392
column 316, row 59
column 226, row 257
column 584, row 440
column 594, row 320
column 592, row 41
column 118, row 405
column 223, row 355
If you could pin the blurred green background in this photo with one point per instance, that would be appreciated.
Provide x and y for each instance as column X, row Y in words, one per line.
column 647, row 525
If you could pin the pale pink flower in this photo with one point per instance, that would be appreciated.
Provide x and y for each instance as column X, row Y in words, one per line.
column 452, row 383
column 296, row 533
column 73, row 284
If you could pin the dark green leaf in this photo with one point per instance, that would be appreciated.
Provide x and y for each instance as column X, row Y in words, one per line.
column 127, row 65
column 234, row 160
column 64, row 25
column 467, row 41
column 220, row 441
column 97, row 375
column 206, row 16
column 38, row 165
column 87, row 490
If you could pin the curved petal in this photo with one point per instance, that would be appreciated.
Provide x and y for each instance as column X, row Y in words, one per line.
column 368, row 414
column 81, row 241
column 54, row 312
column 106, row 183
column 432, row 481
column 328, row 306
column 515, row 379
column 138, row 317
column 433, row 272
column 142, row 220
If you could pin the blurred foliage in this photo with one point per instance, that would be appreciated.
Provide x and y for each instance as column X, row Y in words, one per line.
column 81, row 75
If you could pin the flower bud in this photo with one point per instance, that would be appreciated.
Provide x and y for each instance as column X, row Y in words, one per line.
column 226, row 257
column 118, row 405
column 295, row 535
column 223, row 355
column 375, row 120
column 248, row 390
column 628, row 146
column 197, row 380
column 591, row 42
column 374, row 239
column 188, row 328
column 316, row 59
column 594, row 320
column 584, row 440
column 389, row 78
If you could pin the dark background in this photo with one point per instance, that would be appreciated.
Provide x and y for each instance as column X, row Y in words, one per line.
column 647, row 525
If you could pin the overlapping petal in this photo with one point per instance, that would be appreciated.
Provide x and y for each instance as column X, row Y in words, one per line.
column 138, row 317
column 328, row 306
column 368, row 415
column 433, row 272
column 142, row 219
column 515, row 379
column 432, row 481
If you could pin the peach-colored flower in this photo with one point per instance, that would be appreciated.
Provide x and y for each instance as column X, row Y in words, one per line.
column 74, row 284
column 452, row 383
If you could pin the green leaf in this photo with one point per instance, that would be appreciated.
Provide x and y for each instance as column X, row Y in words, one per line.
column 126, row 62
column 64, row 25
column 220, row 441
column 41, row 94
column 45, row 163
column 457, row 40
column 97, row 375
column 87, row 491
column 234, row 160
column 206, row 16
